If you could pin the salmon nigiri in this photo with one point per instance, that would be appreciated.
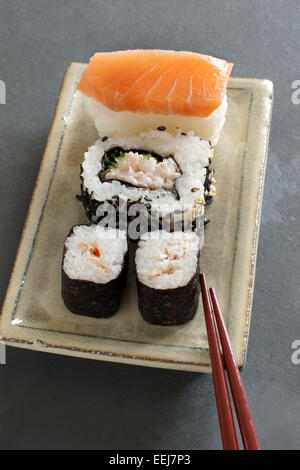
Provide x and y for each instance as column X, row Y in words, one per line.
column 145, row 88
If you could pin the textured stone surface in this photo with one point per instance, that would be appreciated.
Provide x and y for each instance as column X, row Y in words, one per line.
column 49, row 401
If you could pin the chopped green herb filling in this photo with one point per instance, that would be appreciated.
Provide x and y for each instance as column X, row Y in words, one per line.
column 110, row 159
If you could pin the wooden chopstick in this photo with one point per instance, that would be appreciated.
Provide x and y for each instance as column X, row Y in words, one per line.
column 226, row 422
column 241, row 404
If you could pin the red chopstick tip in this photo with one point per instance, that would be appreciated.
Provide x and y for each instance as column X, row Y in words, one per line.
column 202, row 281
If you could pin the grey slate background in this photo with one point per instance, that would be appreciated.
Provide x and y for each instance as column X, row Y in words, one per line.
column 49, row 401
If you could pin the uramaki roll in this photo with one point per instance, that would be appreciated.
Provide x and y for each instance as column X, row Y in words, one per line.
column 167, row 176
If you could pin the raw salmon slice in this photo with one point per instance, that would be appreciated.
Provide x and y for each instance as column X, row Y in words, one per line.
column 157, row 81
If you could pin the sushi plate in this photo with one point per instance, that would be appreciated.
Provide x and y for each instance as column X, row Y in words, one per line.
column 33, row 314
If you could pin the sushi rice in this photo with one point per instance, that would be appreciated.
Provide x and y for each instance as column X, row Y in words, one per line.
column 127, row 123
column 167, row 260
column 94, row 253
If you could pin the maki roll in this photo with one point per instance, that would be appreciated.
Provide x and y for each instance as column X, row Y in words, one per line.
column 167, row 276
column 131, row 91
column 166, row 174
column 94, row 270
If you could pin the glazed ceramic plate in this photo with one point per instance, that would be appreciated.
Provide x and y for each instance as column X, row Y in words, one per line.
column 34, row 315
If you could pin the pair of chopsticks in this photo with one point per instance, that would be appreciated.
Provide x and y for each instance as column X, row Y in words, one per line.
column 243, row 413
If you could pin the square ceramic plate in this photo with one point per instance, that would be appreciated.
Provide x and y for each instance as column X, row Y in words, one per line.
column 34, row 315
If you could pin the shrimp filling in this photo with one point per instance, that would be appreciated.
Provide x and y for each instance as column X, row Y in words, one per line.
column 93, row 255
column 141, row 169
